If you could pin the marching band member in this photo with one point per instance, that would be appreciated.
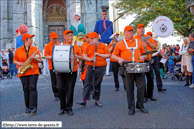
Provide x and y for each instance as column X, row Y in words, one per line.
column 156, row 64
column 92, row 53
column 30, row 77
column 120, row 54
column 83, row 65
column 149, row 45
column 115, row 64
column 100, row 27
column 48, row 55
column 66, row 81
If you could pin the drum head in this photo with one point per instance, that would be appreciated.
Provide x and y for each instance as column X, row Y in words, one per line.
column 71, row 58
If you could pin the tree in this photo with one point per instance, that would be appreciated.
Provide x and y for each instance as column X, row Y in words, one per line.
column 148, row 10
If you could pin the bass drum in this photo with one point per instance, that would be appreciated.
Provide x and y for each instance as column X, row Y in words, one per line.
column 63, row 58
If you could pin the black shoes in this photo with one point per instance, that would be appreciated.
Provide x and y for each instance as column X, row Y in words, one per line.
column 34, row 111
column 116, row 89
column 81, row 103
column 61, row 112
column 27, row 111
column 159, row 90
column 142, row 109
column 98, row 104
column 69, row 112
column 56, row 99
column 131, row 111
column 187, row 81
column 152, row 98
column 84, row 104
column 145, row 99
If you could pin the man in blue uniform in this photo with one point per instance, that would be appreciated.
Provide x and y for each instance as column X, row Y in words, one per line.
column 100, row 27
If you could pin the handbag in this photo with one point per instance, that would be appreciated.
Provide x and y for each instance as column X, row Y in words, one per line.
column 83, row 73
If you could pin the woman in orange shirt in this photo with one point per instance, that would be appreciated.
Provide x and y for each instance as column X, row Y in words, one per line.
column 66, row 81
column 97, row 53
column 30, row 77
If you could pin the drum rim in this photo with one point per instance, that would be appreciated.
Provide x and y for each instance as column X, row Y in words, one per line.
column 52, row 56
column 71, row 48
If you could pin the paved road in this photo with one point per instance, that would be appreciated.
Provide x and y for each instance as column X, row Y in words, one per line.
column 173, row 109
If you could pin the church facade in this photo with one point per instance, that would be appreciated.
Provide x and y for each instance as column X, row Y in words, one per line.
column 44, row 16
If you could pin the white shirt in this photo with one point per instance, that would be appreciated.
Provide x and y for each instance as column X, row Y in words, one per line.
column 5, row 56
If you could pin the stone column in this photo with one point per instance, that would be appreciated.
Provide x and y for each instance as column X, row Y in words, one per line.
column 18, row 16
column 4, row 23
column 34, row 21
column 0, row 31
column 91, row 16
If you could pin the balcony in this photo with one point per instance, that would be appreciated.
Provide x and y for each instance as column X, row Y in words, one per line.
column 190, row 6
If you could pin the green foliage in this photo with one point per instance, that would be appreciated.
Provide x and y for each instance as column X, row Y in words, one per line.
column 148, row 10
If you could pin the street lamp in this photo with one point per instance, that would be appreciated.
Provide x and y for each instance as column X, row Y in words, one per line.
column 190, row 6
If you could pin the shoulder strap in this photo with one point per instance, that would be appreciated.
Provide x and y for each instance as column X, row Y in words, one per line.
column 136, row 45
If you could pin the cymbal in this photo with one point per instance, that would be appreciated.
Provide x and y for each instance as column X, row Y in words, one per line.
column 148, row 53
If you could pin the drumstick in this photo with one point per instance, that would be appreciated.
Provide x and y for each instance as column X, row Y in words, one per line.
column 131, row 57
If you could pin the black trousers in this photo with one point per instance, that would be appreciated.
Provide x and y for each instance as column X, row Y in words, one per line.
column 29, row 84
column 150, row 82
column 156, row 67
column 66, row 84
column 139, row 79
column 115, row 69
column 54, row 83
column 93, row 78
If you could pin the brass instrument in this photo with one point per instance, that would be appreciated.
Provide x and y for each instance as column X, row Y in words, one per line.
column 159, row 47
column 27, row 65
column 114, row 37
column 116, row 42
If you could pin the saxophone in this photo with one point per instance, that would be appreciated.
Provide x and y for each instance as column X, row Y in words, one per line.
column 27, row 64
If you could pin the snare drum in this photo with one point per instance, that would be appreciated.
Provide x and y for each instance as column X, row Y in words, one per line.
column 137, row 67
column 63, row 58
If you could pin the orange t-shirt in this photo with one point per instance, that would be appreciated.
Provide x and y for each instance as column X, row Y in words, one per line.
column 48, row 52
column 78, row 52
column 110, row 45
column 84, row 46
column 101, row 49
column 156, row 44
column 126, row 54
column 148, row 47
column 21, row 56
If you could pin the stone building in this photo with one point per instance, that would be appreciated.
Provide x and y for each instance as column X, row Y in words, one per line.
column 45, row 16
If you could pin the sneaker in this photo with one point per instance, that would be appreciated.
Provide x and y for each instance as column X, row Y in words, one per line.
column 191, row 86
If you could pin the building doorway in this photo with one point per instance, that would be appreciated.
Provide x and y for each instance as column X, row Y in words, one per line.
column 59, row 29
